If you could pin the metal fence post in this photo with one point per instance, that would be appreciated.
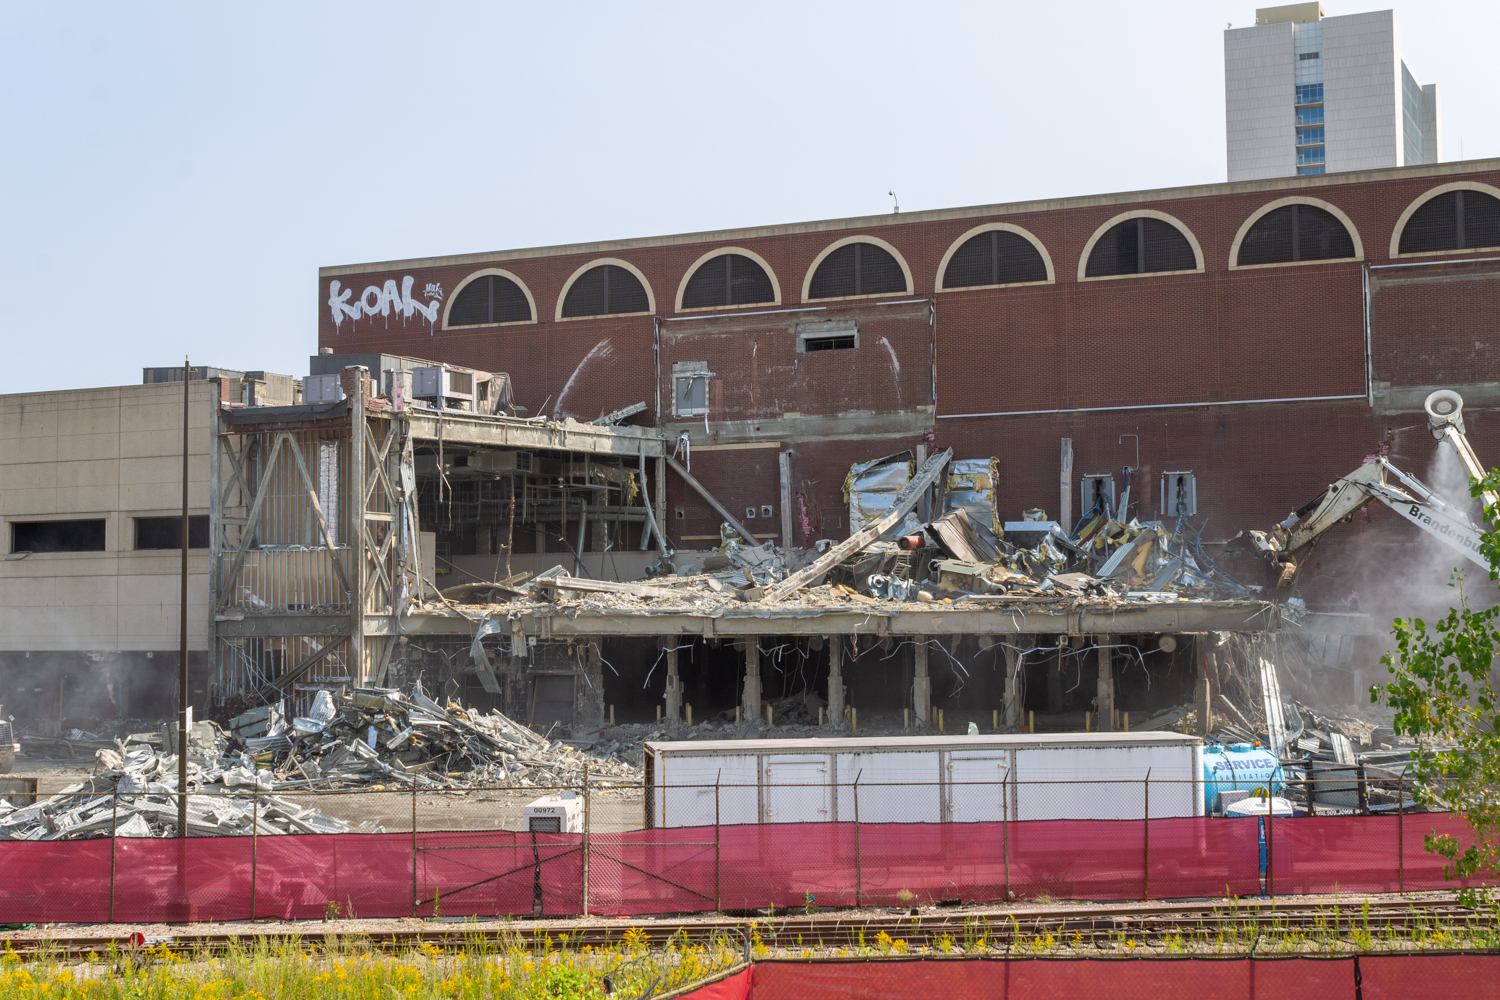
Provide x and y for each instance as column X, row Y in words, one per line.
column 1270, row 844
column 414, row 904
column 1401, row 833
column 859, row 874
column 1146, row 844
column 254, row 842
column 114, row 839
column 718, row 855
column 1005, row 827
column 585, row 840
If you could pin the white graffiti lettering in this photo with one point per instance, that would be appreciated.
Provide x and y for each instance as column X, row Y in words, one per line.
column 384, row 300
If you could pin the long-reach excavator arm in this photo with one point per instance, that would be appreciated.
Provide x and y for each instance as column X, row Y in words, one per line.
column 1283, row 546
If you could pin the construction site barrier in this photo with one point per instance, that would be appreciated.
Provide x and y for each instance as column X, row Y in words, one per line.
column 714, row 868
column 1367, row 977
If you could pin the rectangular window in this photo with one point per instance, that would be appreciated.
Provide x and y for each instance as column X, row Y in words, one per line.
column 1305, row 171
column 1310, row 93
column 1309, row 55
column 57, row 536
column 1310, row 116
column 838, row 335
column 166, row 532
column 1309, row 136
column 1312, row 154
column 691, row 397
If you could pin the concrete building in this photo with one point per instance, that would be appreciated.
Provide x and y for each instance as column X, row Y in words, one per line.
column 90, row 509
column 1311, row 94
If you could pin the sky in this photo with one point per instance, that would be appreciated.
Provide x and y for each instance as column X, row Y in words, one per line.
column 173, row 175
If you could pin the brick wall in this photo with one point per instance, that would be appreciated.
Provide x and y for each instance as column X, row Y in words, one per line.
column 1192, row 345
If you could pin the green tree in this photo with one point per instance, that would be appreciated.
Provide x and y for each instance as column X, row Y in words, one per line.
column 1442, row 693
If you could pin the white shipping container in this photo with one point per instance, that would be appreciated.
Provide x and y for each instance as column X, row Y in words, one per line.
column 924, row 779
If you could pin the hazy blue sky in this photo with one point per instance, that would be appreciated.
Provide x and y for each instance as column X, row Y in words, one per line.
column 173, row 175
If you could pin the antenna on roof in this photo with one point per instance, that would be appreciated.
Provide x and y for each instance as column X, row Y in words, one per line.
column 897, row 201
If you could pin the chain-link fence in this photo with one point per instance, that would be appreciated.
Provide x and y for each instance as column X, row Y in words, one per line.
column 630, row 849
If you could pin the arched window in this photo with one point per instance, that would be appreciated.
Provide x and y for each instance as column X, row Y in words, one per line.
column 1454, row 220
column 1295, row 233
column 489, row 298
column 996, row 257
column 730, row 279
column 603, row 290
column 1141, row 245
column 857, row 268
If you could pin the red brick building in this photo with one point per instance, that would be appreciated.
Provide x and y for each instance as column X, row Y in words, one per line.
column 1265, row 335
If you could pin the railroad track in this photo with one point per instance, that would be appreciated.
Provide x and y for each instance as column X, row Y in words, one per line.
column 999, row 926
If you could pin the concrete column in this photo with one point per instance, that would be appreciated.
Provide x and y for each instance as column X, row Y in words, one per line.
column 921, row 685
column 1055, row 680
column 836, row 680
column 1106, row 696
column 673, row 707
column 1011, row 716
column 1203, row 696
column 752, row 709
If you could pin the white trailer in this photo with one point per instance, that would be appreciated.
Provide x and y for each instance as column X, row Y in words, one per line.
column 924, row 779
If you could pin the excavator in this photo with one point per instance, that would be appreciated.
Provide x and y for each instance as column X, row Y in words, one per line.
column 1284, row 546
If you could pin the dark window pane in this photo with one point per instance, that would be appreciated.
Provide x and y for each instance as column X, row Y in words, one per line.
column 1433, row 226
column 626, row 293
column 1166, row 248
column 1321, row 236
column 730, row 279
column 166, row 532
column 1269, row 241
column 748, row 282
column 608, row 288
column 971, row 264
column 57, row 536
column 1116, row 252
column 709, row 285
column 879, row 271
column 1481, row 220
column 489, row 299
column 857, row 269
column 998, row 257
column 1017, row 260
column 835, row 276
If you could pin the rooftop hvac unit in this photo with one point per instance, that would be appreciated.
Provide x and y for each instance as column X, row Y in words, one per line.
column 438, row 383
column 322, row 389
column 1179, row 494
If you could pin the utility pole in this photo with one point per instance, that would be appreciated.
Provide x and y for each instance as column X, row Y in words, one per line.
column 182, row 655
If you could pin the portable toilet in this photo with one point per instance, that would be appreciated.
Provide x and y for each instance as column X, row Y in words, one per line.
column 1238, row 767
column 561, row 813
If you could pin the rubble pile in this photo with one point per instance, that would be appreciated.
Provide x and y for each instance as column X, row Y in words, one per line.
column 136, row 796
column 380, row 735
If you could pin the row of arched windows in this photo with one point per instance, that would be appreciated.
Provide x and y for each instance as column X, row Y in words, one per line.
column 1289, row 231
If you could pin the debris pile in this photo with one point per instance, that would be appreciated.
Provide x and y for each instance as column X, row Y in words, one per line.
column 136, row 796
column 383, row 735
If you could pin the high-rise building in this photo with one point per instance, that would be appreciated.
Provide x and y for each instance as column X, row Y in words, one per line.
column 1309, row 94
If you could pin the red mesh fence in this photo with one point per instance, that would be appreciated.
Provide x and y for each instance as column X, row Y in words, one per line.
column 1370, row 977
column 1360, row 853
column 693, row 869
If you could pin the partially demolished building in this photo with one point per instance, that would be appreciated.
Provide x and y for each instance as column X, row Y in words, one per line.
column 945, row 467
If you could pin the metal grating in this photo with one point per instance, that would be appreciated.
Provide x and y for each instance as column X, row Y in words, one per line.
column 1454, row 220
column 857, row 269
column 998, row 257
column 1140, row 246
column 490, row 298
column 729, row 279
column 1295, row 233
column 604, row 290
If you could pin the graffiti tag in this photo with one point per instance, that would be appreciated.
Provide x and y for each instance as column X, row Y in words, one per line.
column 385, row 300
